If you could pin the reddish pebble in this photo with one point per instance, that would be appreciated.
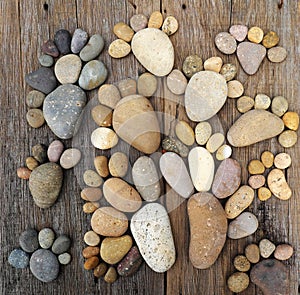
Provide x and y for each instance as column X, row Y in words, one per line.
column 283, row 252
column 55, row 150
column 23, row 172
column 50, row 48
column 257, row 181
column 138, row 22
column 239, row 32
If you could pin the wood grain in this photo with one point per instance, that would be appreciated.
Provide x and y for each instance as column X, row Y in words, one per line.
column 24, row 25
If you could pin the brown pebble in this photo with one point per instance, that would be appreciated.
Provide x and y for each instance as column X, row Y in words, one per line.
column 35, row 118
column 241, row 263
column 170, row 25
column 90, row 251
column 225, row 42
column 90, row 207
column 271, row 39
column 111, row 275
column 278, row 185
column 101, row 165
column 235, row 89
column 252, row 253
column 291, row 120
column 146, row 84
column 50, row 48
column 288, row 138
column 255, row 34
column 245, row 104
column 282, row 161
column 264, row 194
column 256, row 167
column 277, row 54
column 91, row 194
column 228, row 71
column 127, row 87
column 100, row 270
column 102, row 115
column 109, row 95
column 91, row 238
column 267, row 159
column 192, row 65
column 283, row 252
column 155, row 20
column 39, row 153
column 23, row 172
column 31, row 163
column 238, row 282
column 35, row 99
column 119, row 48
column 123, row 31
column 138, row 22
column 91, row 263
column 256, row 181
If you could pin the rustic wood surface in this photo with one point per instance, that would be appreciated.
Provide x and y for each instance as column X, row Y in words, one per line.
column 24, row 25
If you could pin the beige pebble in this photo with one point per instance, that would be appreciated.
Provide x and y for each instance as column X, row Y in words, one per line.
column 256, row 181
column 256, row 167
column 282, row 161
column 264, row 193
column 123, row 31
column 241, row 263
column 109, row 95
column 170, row 25
column 288, row 138
column 31, row 163
column 127, row 87
column 228, row 71
column 155, row 20
column 111, row 275
column 91, row 238
column 91, row 194
column 203, row 132
column 102, row 115
column 283, row 252
column 213, row 64
column 239, row 32
column 138, row 22
column 92, row 178
column 225, row 42
column 277, row 54
column 176, row 82
column 245, row 104
column 118, row 164
column 255, row 34
column 267, row 159
column 262, row 101
column 279, row 105
column 119, row 48
column 214, row 142
column 90, row 207
column 266, row 248
column 278, row 184
column 271, row 39
column 101, row 165
column 238, row 282
column 35, row 118
column 146, row 84
column 252, row 253
column 224, row 152
column 104, row 138
column 235, row 89
column 185, row 133
column 23, row 172
column 291, row 120
column 70, row 158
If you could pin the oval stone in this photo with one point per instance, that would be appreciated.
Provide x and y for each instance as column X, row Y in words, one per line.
column 130, row 263
column 55, row 150
column 104, row 138
column 78, row 41
column 70, row 158
column 93, row 48
column 119, row 48
column 278, row 184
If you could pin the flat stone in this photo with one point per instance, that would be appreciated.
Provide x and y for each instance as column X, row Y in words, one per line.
column 28, row 240
column 256, row 181
column 46, row 238
column 205, row 95
column 213, row 64
column 91, row 263
column 279, row 105
column 100, row 270
column 228, row 71
column 91, row 238
column 78, row 41
column 50, row 48
column 92, row 49
column 291, row 120
column 192, row 65
column 176, row 82
column 172, row 144
column 264, row 194
column 288, row 138
column 46, row 60
column 104, row 138
column 278, row 184
column 266, row 248
column 170, row 25
column 39, row 152
column 62, row 109
column 271, row 39
column 262, row 101
column 225, row 42
column 176, row 174
column 111, row 275
column 70, row 158
column 35, row 99
column 130, row 263
column 239, row 32
column 245, row 104
column 123, row 31
column 155, row 20
column 223, row 152
column 283, row 252
column 127, row 87
column 241, row 263
column 267, row 158
column 203, row 131
column 90, row 251
column 214, row 142
column 101, row 165
column 35, row 118
column 138, row 22
column 91, row 194
column 64, row 258
column 256, row 167
column 282, row 161
column 185, row 133
column 18, row 258
column 31, row 163
column 146, row 84
column 277, row 54
column 151, row 230
column 235, row 89
column 62, row 40
column 109, row 95
column 55, row 150
column 252, row 253
column 255, row 34
column 118, row 164
column 92, row 178
column 61, row 244
column 208, row 227
column 119, row 48
column 238, row 282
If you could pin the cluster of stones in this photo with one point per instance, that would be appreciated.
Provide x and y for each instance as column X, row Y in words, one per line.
column 42, row 252
column 265, row 271
column 250, row 52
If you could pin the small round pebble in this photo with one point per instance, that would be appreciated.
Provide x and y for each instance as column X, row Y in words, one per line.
column 203, row 132
column 109, row 95
column 255, row 34
column 213, row 64
column 35, row 99
column 35, row 118
column 252, row 253
column 283, row 252
column 176, row 82
column 138, row 22
column 100, row 270
column 31, row 163
column 119, row 48
column 262, row 101
column 239, row 32
column 55, row 150
column 18, row 258
column 266, row 248
column 101, row 165
column 225, row 42
column 267, row 159
column 28, row 240
column 192, row 65
column 238, row 282
column 279, row 105
column 102, row 115
column 127, row 87
column 91, row 263
column 235, row 89
column 92, row 178
column 291, row 120
column 264, row 193
column 146, row 84
column 123, row 31
column 91, row 238
column 245, row 104
column 282, row 161
column 46, row 238
column 64, row 258
column 118, row 164
column 23, row 172
column 90, row 207
column 228, row 71
column 256, row 167
column 256, row 181
column 271, row 39
column 170, row 25
column 91, row 194
column 185, row 133
column 111, row 275
column 61, row 244
column 46, row 60
column 288, row 138
column 90, row 251
column 241, row 263
column 277, row 54
column 214, row 142
column 70, row 158
column 155, row 20
column 39, row 152
column 223, row 152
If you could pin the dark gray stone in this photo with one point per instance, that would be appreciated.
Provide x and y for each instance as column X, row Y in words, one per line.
column 62, row 40
column 29, row 240
column 18, row 258
column 39, row 152
column 61, row 244
column 50, row 48
column 79, row 39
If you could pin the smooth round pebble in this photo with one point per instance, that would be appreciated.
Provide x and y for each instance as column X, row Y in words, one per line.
column 225, row 43
column 91, row 194
column 61, row 244
column 23, row 172
column 62, row 40
column 271, row 39
column 102, row 115
column 228, row 71
column 28, row 240
column 101, row 165
column 90, row 207
column 241, row 263
column 256, row 181
column 111, row 275
column 92, row 178
column 70, row 158
column 277, row 54
column 262, row 101
column 176, row 82
column 109, row 95
column 93, row 48
column 239, row 32
column 266, row 248
column 55, row 150
column 91, row 263
column 46, row 60
column 192, row 65
column 256, row 167
column 214, row 142
column 18, row 258
column 35, row 99
column 252, row 253
column 100, row 270
column 185, row 133
column 146, row 84
column 119, row 48
column 35, row 118
column 279, row 105
column 213, row 64
column 223, row 152
column 267, row 158
column 123, row 31
column 90, row 251
column 91, row 238
column 64, row 258
column 288, row 138
column 155, row 20
column 291, row 120
column 283, row 252
column 127, row 87
column 282, row 161
column 170, row 25
column 235, row 89
column 255, row 35
column 138, row 22
column 39, row 152
column 46, row 238
column 118, row 164
column 31, row 163
column 238, row 282
column 104, row 138
column 203, row 131
column 79, row 39
column 245, row 104
column 264, row 193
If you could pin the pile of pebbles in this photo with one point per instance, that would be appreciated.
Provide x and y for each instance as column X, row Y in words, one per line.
column 42, row 252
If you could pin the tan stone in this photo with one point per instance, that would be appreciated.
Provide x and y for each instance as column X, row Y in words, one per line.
column 256, row 167
column 228, row 71
column 252, row 253
column 90, row 251
column 282, row 161
column 146, row 84
column 109, row 95
column 262, row 101
column 213, row 64
column 67, row 68
column 170, row 25
column 119, row 48
column 283, row 252
column 155, row 20
column 255, row 35
column 264, row 193
column 185, row 133
column 271, row 39
column 91, row 194
column 92, row 178
column 245, row 104
column 102, row 115
column 241, row 263
column 238, row 282
column 90, row 207
column 278, row 184
column 111, row 275
column 123, row 31
column 118, row 164
column 288, row 138
column 31, row 163
column 235, row 89
column 277, row 54
column 203, row 132
column 266, row 248
column 214, row 142
column 267, row 159
column 291, row 120
column 127, row 87
column 101, row 165
column 91, row 263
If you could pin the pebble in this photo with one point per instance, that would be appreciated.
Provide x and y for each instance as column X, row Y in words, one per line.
column 227, row 178
column 154, row 50
column 214, row 142
column 235, row 89
column 244, row 131
column 44, row 265
column 146, row 179
column 64, row 258
column 123, row 31
column 241, row 263
column 50, row 48
column 170, row 25
column 270, row 40
column 45, row 183
column 111, row 275
column 250, row 56
column 93, row 74
column 39, row 153
column 228, row 71
column 28, row 240
column 92, row 49
column 100, row 270
column 101, row 165
column 35, row 99
column 61, row 244
column 278, row 184
column 224, row 152
column 109, row 95
column 279, row 105
column 102, row 115
column 119, row 48
column 171, row 144
column 202, row 168
column 256, row 167
column 91, row 238
column 18, row 258
column 225, row 42
column 155, row 20
column 62, row 40
column 31, row 163
column 213, row 64
column 104, row 138
column 203, row 131
column 238, row 282
column 146, row 84
column 90, row 207
column 245, row 104
column 282, row 161
column 262, row 101
column 176, row 174
column 46, row 238
column 42, row 80
column 91, row 194
column 271, row 276
column 205, row 95
column 136, row 111
column 256, row 181
column 91, row 263
column 55, row 150
column 176, row 82
column 291, row 120
column 277, row 54
column 264, row 193
column 90, row 251
column 266, row 248
column 118, row 164
column 255, row 35
column 252, row 253
column 107, row 221
column 239, row 201
column 192, row 65
column 239, row 32
column 67, row 69
column 130, row 263
column 92, row 178
column 62, row 109
column 208, row 227
column 46, row 60
column 267, row 159
column 127, row 87
column 113, row 250
column 23, row 172
column 283, row 252
column 243, row 226
column 70, row 158
column 79, row 39
column 151, row 230
column 288, row 138
column 121, row 195
column 138, row 22
column 185, row 133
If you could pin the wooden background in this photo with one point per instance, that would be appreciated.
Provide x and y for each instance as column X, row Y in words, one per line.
column 24, row 25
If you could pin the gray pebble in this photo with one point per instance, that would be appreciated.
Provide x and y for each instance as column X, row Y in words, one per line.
column 64, row 258
column 93, row 48
column 29, row 240
column 46, row 238
column 18, row 258
column 62, row 40
column 35, row 99
column 39, row 152
column 61, row 244
column 46, row 60
column 79, row 39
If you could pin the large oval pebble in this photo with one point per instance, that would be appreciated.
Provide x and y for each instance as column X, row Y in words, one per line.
column 278, row 184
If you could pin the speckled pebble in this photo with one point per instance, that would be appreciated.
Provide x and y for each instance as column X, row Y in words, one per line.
column 266, row 248
column 255, row 34
column 118, row 164
column 267, row 158
column 127, row 87
column 192, row 65
column 262, row 101
column 241, row 263
column 277, row 54
column 46, row 60
column 64, row 258
column 213, row 64
column 29, row 240
column 46, row 238
column 92, row 178
column 176, row 82
column 104, row 138
column 170, row 25
column 78, row 41
column 93, row 48
column 278, row 185
column 225, row 42
column 235, row 89
column 291, row 120
column 238, row 282
column 245, row 104
column 109, row 95
column 288, row 138
column 155, row 20
column 61, row 244
column 228, row 71
column 62, row 40
column 91, row 238
column 138, row 22
column 256, row 181
column 283, row 252
column 50, row 48
column 130, row 263
column 35, row 99
column 279, row 105
column 223, row 152
column 271, row 39
column 282, row 161
column 203, row 131
column 146, row 84
column 35, row 118
column 55, row 150
column 70, row 158
column 264, row 193
column 252, row 253
column 119, row 48
column 172, row 144
column 239, row 32
column 18, row 258
column 123, row 31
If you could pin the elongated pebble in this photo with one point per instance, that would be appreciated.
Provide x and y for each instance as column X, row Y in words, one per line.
column 155, row 20
column 93, row 48
column 267, row 158
column 78, row 41
column 91, row 194
column 214, row 142
column 101, row 165
column 46, row 238
column 55, row 150
column 252, row 253
column 185, row 133
column 203, row 131
column 31, row 163
column 278, row 184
